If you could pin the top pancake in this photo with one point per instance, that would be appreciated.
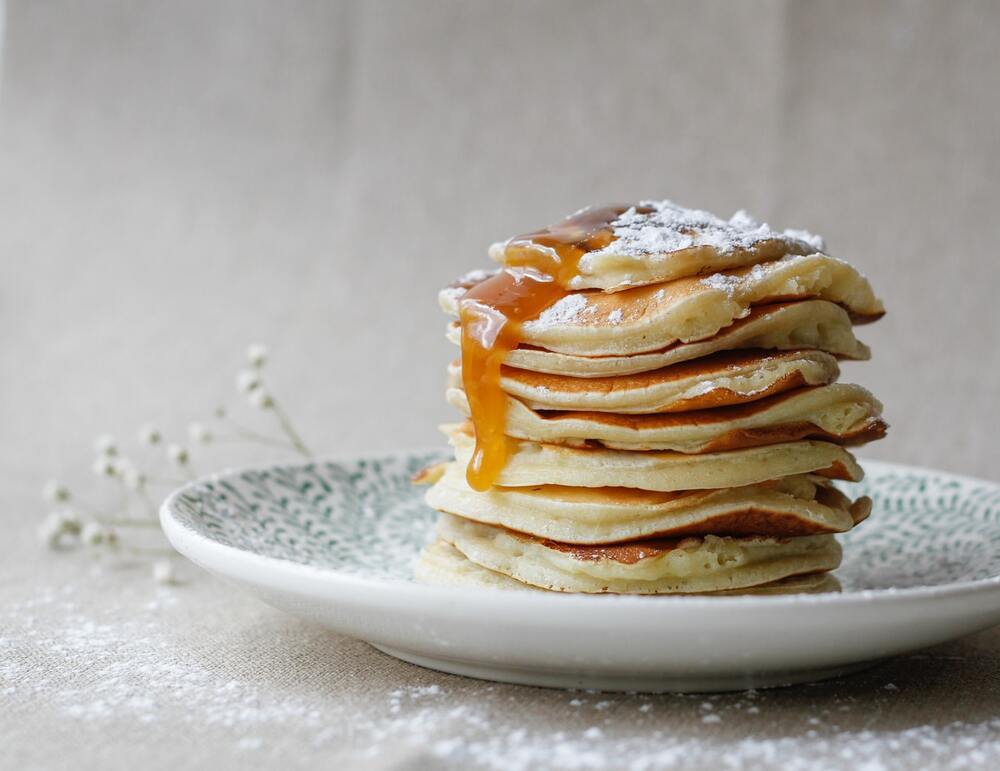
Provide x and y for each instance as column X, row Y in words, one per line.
column 657, row 241
column 649, row 318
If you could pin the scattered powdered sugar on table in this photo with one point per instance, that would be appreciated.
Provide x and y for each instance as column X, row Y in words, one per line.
column 671, row 227
column 476, row 739
column 118, row 665
column 128, row 669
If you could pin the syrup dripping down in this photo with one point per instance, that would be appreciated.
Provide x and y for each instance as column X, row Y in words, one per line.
column 538, row 269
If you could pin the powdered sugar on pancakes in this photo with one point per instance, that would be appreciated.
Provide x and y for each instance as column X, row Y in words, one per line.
column 728, row 284
column 672, row 228
column 571, row 308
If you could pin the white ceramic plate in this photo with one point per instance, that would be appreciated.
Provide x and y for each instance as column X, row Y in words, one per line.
column 335, row 543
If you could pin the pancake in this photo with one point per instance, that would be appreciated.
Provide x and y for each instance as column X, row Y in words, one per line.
column 816, row 324
column 663, row 566
column 659, row 241
column 729, row 377
column 840, row 412
column 530, row 463
column 793, row 506
column 441, row 564
column 804, row 583
column 649, row 318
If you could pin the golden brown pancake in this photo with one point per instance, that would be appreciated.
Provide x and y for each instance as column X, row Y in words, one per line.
column 796, row 505
column 658, row 566
column 531, row 463
column 816, row 324
column 656, row 241
column 442, row 564
column 840, row 412
column 729, row 377
column 648, row 318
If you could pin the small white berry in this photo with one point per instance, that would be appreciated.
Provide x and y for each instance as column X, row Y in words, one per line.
column 133, row 478
column 105, row 444
column 69, row 520
column 57, row 524
column 178, row 454
column 261, row 399
column 199, row 433
column 163, row 572
column 150, row 435
column 257, row 355
column 55, row 492
column 92, row 534
column 50, row 531
column 247, row 381
column 122, row 465
column 104, row 466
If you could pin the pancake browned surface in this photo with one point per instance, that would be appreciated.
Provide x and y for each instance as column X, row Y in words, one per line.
column 532, row 463
column 657, row 241
column 842, row 413
column 649, row 318
column 730, row 377
column 442, row 564
column 657, row 566
column 791, row 506
column 816, row 324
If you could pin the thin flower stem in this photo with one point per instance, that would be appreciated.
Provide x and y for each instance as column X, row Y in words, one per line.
column 141, row 494
column 253, row 438
column 121, row 508
column 86, row 506
column 238, row 426
column 149, row 551
column 127, row 522
column 249, row 434
column 165, row 481
column 150, row 505
column 293, row 436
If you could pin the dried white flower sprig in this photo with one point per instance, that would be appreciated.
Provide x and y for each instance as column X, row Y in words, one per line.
column 73, row 524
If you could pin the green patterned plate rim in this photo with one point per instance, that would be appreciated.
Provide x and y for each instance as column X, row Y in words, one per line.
column 361, row 517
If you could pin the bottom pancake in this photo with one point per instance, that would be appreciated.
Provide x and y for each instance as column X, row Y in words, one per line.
column 676, row 566
column 441, row 564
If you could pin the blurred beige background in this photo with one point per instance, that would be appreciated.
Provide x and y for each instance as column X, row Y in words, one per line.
column 178, row 179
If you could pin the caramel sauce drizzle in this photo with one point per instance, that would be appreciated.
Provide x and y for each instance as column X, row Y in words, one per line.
column 538, row 269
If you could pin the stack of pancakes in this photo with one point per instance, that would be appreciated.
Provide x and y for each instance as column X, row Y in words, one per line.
column 665, row 419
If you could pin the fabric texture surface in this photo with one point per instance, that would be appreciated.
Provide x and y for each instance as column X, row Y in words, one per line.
column 179, row 179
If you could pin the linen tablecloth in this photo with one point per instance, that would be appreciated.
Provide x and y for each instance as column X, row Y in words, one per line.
column 180, row 179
